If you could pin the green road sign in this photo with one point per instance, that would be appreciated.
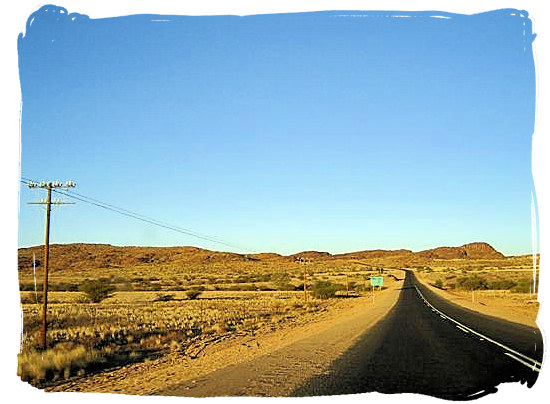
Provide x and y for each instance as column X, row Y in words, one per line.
column 376, row 280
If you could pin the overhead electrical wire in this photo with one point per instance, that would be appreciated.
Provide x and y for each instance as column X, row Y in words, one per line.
column 137, row 216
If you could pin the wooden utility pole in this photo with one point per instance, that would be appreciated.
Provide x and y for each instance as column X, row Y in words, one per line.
column 305, row 283
column 302, row 261
column 46, row 262
column 48, row 202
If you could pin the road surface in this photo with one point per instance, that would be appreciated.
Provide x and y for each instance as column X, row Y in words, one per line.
column 423, row 345
column 430, row 346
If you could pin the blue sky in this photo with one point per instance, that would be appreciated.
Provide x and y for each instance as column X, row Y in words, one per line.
column 283, row 132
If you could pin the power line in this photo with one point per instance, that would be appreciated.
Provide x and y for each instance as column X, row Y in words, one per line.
column 137, row 216
column 146, row 220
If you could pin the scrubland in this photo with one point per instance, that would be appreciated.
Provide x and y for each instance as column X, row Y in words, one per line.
column 508, row 291
column 177, row 301
column 148, row 317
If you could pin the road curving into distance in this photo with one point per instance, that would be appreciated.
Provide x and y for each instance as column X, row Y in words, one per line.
column 429, row 346
column 419, row 343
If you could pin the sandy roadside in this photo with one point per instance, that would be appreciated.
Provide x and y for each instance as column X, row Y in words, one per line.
column 156, row 376
column 505, row 308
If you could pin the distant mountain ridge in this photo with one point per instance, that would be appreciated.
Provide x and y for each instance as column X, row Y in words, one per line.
column 107, row 256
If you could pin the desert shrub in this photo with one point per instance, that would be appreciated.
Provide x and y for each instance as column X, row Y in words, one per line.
column 523, row 286
column 63, row 287
column 282, row 281
column 97, row 290
column 192, row 294
column 53, row 287
column 264, row 277
column 31, row 299
column 164, row 297
column 360, row 288
column 438, row 284
column 324, row 289
column 299, row 287
column 472, row 282
column 38, row 366
column 29, row 286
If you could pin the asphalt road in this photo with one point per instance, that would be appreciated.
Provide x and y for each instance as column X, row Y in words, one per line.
column 429, row 346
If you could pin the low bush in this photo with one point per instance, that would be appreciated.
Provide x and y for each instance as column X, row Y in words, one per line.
column 324, row 289
column 502, row 284
column 523, row 286
column 164, row 297
column 97, row 290
column 52, row 287
column 59, row 362
column 472, row 282
column 32, row 298
column 29, row 286
column 193, row 294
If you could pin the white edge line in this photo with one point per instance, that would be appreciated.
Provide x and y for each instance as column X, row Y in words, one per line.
column 486, row 338
column 522, row 361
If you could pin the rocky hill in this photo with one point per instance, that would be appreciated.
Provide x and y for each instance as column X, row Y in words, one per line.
column 367, row 254
column 74, row 256
column 108, row 256
column 467, row 251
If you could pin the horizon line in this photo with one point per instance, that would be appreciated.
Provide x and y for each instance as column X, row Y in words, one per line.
column 271, row 252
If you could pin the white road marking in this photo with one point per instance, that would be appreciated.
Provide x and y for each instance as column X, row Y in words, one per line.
column 463, row 329
column 521, row 361
column 534, row 365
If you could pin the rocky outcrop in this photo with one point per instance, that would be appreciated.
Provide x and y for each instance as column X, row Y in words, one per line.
column 467, row 251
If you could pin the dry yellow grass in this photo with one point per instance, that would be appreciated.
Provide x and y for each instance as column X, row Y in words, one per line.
column 132, row 326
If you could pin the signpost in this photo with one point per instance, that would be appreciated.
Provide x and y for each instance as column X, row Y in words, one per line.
column 376, row 281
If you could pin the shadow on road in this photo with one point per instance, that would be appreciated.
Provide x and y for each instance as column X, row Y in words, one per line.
column 414, row 350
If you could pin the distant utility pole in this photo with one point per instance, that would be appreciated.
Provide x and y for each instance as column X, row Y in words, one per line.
column 303, row 262
column 48, row 202
column 305, row 283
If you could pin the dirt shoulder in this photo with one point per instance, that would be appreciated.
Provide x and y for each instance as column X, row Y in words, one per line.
column 334, row 331
column 510, row 307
